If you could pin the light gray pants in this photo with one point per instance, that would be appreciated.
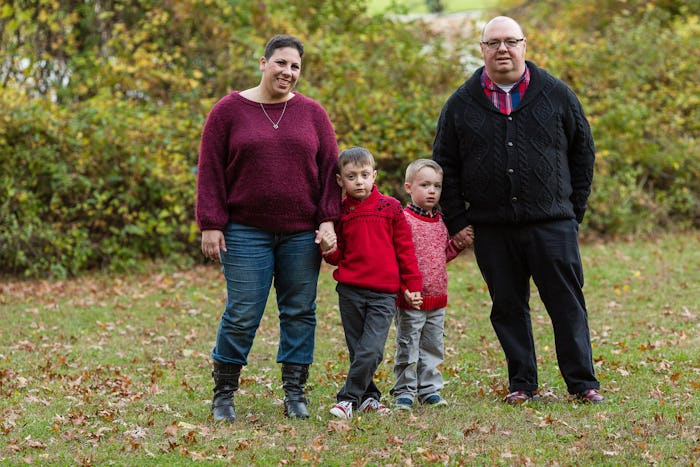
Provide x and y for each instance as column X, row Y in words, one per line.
column 420, row 348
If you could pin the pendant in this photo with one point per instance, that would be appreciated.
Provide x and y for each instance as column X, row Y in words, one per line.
column 275, row 125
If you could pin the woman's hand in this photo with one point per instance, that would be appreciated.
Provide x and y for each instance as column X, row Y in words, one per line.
column 325, row 230
column 213, row 243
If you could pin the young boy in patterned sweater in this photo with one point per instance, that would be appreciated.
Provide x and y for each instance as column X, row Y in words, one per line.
column 419, row 333
column 376, row 261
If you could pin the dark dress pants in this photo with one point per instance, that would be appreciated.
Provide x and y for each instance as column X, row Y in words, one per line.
column 508, row 256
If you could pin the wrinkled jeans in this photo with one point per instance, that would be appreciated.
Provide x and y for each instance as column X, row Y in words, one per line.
column 253, row 259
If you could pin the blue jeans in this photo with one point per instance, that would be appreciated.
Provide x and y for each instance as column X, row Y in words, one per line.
column 253, row 258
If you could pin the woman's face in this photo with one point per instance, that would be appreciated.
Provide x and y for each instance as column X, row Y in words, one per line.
column 281, row 72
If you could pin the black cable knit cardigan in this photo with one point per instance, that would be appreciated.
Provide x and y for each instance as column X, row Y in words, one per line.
column 533, row 165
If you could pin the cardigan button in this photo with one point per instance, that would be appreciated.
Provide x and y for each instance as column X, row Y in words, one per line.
column 510, row 144
column 514, row 199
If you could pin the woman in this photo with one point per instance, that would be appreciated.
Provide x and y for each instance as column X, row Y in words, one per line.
column 266, row 194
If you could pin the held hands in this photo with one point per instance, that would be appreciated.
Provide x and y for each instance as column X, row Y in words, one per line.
column 326, row 238
column 212, row 244
column 414, row 298
column 464, row 238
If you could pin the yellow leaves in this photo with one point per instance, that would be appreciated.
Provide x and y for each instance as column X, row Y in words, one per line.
column 43, row 16
column 634, row 275
column 7, row 10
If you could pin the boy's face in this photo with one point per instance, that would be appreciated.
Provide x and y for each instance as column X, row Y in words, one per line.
column 425, row 189
column 357, row 180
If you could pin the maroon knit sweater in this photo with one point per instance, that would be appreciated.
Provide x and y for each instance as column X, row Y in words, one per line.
column 375, row 249
column 277, row 180
column 434, row 249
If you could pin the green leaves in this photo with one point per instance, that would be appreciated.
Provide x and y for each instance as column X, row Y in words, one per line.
column 642, row 101
column 101, row 109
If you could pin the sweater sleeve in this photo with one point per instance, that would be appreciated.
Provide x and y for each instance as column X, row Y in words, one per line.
column 446, row 153
column 409, row 274
column 581, row 157
column 210, row 205
column 327, row 159
column 451, row 251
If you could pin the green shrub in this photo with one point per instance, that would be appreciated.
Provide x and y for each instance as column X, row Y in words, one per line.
column 107, row 173
column 99, row 185
column 643, row 104
column 102, row 110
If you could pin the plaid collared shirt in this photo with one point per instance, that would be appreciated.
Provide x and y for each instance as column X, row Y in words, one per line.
column 422, row 212
column 504, row 101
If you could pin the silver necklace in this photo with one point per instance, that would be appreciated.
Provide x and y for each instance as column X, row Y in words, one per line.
column 276, row 124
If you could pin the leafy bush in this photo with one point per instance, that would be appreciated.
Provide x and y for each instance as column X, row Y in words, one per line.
column 102, row 110
column 98, row 185
column 642, row 101
column 100, row 160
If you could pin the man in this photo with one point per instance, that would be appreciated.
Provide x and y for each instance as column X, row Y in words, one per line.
column 517, row 154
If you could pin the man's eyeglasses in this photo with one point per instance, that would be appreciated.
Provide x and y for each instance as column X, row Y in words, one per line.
column 495, row 44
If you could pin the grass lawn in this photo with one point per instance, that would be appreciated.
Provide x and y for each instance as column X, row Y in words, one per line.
column 419, row 6
column 115, row 370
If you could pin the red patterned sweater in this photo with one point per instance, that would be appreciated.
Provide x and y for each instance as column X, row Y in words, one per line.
column 375, row 249
column 434, row 249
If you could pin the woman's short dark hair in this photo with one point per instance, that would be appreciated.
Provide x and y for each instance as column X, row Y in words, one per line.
column 281, row 41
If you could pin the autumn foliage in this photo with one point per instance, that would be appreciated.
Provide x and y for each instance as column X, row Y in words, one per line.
column 102, row 104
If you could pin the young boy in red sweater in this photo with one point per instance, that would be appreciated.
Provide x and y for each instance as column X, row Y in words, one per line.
column 376, row 261
column 419, row 333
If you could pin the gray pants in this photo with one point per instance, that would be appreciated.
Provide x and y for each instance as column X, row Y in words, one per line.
column 366, row 317
column 420, row 348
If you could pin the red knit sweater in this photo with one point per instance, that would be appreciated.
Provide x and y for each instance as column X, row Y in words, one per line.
column 277, row 180
column 434, row 249
column 375, row 249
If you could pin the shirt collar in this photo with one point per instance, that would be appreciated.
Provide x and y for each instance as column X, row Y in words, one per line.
column 487, row 83
column 422, row 212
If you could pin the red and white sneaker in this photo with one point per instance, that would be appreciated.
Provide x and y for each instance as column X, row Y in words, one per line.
column 342, row 409
column 373, row 405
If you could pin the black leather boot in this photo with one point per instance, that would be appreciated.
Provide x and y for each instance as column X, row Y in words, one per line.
column 225, row 384
column 293, row 380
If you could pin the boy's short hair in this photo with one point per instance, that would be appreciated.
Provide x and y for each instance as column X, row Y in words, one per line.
column 355, row 155
column 415, row 167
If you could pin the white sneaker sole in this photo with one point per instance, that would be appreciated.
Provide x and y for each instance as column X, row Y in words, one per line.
column 340, row 413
